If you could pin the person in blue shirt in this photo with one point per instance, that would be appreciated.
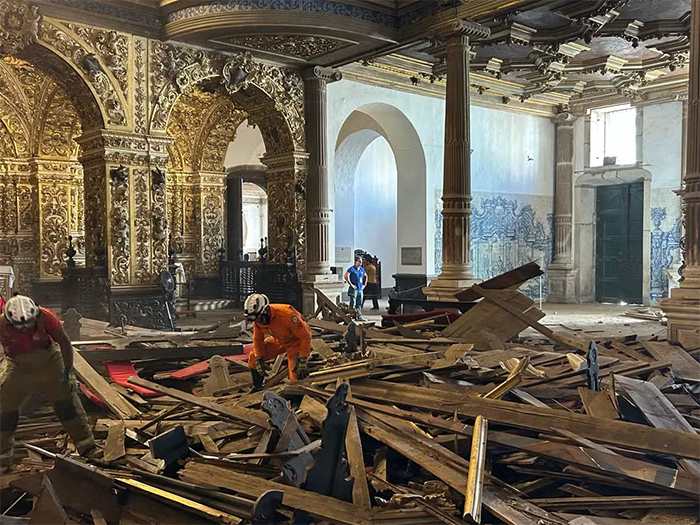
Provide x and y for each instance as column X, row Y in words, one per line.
column 356, row 277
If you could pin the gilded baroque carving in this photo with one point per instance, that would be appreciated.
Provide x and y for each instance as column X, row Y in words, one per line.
column 299, row 46
column 19, row 25
column 212, row 228
column 8, row 204
column 27, row 207
column 55, row 227
column 120, row 238
column 140, row 86
column 160, row 221
column 95, row 218
column 142, row 226
column 55, row 37
column 60, row 125
column 111, row 47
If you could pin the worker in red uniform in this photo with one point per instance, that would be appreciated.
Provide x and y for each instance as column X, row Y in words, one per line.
column 277, row 328
column 38, row 356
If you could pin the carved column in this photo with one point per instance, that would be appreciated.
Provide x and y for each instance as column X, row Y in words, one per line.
column 683, row 307
column 318, row 245
column 56, row 218
column 286, row 205
column 456, row 197
column 562, row 274
column 208, row 199
column 125, row 221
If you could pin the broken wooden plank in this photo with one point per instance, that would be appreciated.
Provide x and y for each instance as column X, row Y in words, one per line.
column 119, row 406
column 658, row 411
column 683, row 366
column 157, row 352
column 506, row 281
column 597, row 404
column 114, row 446
column 252, row 417
column 334, row 510
column 620, row 433
column 353, row 447
column 475, row 479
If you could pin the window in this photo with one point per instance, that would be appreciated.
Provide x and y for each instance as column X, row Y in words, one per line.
column 614, row 136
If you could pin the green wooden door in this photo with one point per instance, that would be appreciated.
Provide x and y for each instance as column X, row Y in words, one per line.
column 619, row 231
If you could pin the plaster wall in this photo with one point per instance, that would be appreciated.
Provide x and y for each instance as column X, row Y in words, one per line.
column 513, row 195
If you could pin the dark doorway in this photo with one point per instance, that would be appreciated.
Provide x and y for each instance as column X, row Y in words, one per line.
column 619, row 233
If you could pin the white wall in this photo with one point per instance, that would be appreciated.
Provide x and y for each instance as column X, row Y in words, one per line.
column 254, row 218
column 426, row 115
column 246, row 148
column 375, row 204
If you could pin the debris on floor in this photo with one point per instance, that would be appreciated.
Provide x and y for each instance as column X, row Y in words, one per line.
column 439, row 418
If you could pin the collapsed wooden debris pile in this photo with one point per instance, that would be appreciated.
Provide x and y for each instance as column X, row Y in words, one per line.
column 445, row 419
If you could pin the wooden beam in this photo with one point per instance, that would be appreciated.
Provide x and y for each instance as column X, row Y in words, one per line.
column 353, row 448
column 182, row 352
column 114, row 446
column 119, row 406
column 683, row 366
column 629, row 435
column 246, row 415
column 334, row 510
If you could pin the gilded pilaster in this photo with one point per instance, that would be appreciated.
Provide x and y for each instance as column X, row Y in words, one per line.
column 456, row 214
column 683, row 307
column 561, row 271
column 286, row 185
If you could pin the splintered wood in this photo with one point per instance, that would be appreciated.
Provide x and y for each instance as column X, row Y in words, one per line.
column 448, row 419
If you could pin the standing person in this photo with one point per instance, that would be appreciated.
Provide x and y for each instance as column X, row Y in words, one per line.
column 38, row 356
column 356, row 277
column 286, row 331
column 372, row 285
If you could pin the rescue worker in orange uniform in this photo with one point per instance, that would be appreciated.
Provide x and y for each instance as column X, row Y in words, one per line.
column 277, row 328
column 38, row 356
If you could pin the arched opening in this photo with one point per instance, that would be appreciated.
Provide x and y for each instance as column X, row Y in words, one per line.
column 254, row 219
column 44, row 106
column 380, row 191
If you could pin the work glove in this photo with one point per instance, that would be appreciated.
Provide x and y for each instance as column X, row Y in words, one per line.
column 68, row 378
column 301, row 368
column 261, row 367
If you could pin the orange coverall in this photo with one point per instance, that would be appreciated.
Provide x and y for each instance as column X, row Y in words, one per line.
column 286, row 332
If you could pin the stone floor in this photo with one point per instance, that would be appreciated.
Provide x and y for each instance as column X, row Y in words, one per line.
column 592, row 320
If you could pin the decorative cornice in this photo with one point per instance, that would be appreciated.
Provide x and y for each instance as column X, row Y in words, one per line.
column 453, row 28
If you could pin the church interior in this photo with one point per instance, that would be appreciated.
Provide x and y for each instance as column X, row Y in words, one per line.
column 162, row 160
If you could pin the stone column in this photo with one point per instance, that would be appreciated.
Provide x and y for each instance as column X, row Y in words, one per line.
column 234, row 216
column 683, row 307
column 561, row 271
column 317, row 209
column 456, row 197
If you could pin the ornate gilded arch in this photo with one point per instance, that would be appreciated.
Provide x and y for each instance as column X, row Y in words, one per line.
column 272, row 96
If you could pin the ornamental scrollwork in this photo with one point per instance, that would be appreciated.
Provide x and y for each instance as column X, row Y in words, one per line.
column 120, row 237
column 55, row 227
column 142, row 227
column 19, row 25
column 212, row 228
column 55, row 37
column 160, row 220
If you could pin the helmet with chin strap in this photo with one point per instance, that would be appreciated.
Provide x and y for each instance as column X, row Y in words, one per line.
column 21, row 311
column 254, row 305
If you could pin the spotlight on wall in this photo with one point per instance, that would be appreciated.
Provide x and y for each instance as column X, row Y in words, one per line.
column 414, row 80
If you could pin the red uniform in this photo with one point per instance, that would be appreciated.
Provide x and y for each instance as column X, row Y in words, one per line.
column 16, row 342
column 286, row 332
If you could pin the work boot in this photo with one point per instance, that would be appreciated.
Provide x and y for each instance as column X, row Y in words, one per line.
column 258, row 380
column 91, row 452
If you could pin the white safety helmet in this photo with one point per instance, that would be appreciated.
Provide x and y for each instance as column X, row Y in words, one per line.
column 21, row 311
column 255, row 305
